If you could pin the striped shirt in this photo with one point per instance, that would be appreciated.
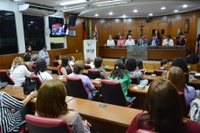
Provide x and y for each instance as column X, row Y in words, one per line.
column 8, row 118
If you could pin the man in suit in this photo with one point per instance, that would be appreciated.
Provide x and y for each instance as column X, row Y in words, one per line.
column 141, row 41
column 154, row 41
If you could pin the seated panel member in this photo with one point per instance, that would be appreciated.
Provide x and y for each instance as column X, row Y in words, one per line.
column 168, row 41
column 141, row 41
column 154, row 41
column 130, row 41
column 180, row 41
column 120, row 41
column 110, row 41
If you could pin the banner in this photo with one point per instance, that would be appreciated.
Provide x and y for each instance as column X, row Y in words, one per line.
column 89, row 48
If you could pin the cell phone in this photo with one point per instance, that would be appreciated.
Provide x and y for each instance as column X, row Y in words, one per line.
column 102, row 105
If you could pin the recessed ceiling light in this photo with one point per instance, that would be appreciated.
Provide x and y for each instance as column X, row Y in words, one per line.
column 110, row 13
column 163, row 8
column 124, row 16
column 96, row 15
column 135, row 10
column 185, row 6
column 175, row 10
column 150, row 14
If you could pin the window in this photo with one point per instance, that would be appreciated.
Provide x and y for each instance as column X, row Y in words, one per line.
column 8, row 35
column 34, row 31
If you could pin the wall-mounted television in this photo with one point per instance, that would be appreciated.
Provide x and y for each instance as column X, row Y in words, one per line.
column 58, row 29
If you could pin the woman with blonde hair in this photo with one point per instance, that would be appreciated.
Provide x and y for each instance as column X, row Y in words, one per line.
column 19, row 71
column 51, row 104
column 177, row 77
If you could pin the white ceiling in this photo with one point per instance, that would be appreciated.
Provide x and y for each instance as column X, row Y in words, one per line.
column 144, row 7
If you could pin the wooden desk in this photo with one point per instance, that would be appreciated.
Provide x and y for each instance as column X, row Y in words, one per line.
column 85, row 72
column 52, row 68
column 108, row 119
column 151, row 78
column 10, row 90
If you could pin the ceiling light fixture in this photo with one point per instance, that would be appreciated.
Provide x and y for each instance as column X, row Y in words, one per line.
column 112, row 4
column 185, row 6
column 150, row 14
column 70, row 2
column 106, row 2
column 124, row 16
column 110, row 13
column 72, row 9
column 163, row 8
column 175, row 10
column 135, row 10
column 96, row 15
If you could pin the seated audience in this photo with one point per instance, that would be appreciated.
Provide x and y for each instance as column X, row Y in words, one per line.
column 164, row 113
column 35, row 58
column 27, row 62
column 192, row 59
column 141, row 41
column 131, row 66
column 164, row 64
column 98, row 63
column 89, row 62
column 176, row 76
column 120, row 41
column 130, row 41
column 78, row 68
column 66, row 67
column 71, row 60
column 168, row 41
column 180, row 41
column 110, row 41
column 53, row 105
column 40, row 70
column 13, row 111
column 154, row 41
column 19, row 71
column 120, row 74
column 57, row 59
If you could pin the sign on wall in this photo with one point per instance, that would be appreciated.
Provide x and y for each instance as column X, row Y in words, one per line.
column 89, row 48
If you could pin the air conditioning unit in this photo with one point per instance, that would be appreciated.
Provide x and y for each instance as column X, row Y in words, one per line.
column 36, row 10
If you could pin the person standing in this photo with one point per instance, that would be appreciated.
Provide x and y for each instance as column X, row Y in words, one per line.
column 44, row 55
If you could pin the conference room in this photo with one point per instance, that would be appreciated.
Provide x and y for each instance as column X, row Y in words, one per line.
column 81, row 28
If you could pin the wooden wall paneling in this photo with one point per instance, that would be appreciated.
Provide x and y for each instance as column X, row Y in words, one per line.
column 79, row 32
column 7, row 60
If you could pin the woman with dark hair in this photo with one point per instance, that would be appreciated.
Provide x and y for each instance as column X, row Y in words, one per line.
column 57, row 61
column 40, row 70
column 53, row 105
column 164, row 111
column 98, row 63
column 121, row 75
column 28, row 50
column 131, row 66
column 66, row 67
column 27, row 62
column 176, row 76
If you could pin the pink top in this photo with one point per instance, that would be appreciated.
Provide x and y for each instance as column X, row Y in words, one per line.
column 120, row 42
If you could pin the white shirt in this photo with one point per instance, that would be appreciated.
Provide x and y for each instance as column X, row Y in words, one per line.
column 168, row 43
column 19, row 74
column 43, row 54
column 110, row 42
column 130, row 42
column 44, row 76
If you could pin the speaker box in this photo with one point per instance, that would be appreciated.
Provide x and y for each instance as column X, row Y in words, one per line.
column 147, row 19
column 72, row 20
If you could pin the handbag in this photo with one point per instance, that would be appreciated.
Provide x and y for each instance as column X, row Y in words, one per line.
column 29, row 85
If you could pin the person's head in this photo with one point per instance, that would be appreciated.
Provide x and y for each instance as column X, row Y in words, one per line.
column 139, row 64
column 44, row 48
column 129, row 31
column 71, row 58
column 131, row 64
column 164, row 63
column 41, row 66
column 87, row 60
column 164, row 106
column 110, row 37
column 142, row 36
column 177, row 77
column 123, row 58
column 28, row 48
column 119, row 33
column 98, row 62
column 118, row 69
column 65, row 61
column 17, row 61
column 168, row 37
column 120, row 37
column 78, row 66
column 57, row 56
column 180, row 62
column 27, row 57
column 129, row 37
column 156, row 31
column 51, row 99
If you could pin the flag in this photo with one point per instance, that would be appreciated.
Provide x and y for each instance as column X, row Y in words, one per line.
column 85, row 30
column 95, row 32
column 89, row 29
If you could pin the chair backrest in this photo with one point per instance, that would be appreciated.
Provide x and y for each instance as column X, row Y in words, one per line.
column 186, row 77
column 5, row 77
column 144, row 131
column 94, row 73
column 112, row 92
column 158, row 72
column 46, row 125
column 134, row 80
column 87, row 66
column 55, row 63
column 185, row 108
column 59, row 69
column 76, row 88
